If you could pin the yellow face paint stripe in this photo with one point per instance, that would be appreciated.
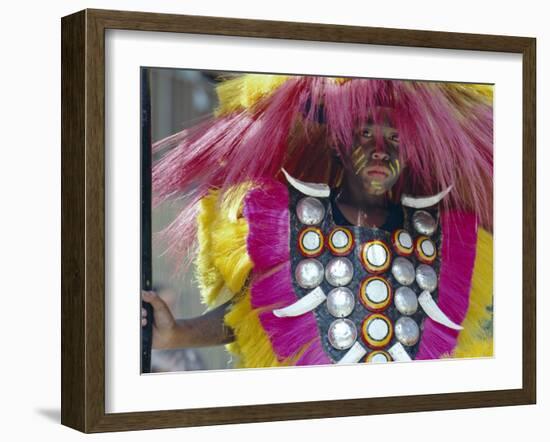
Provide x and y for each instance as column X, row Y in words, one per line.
column 359, row 159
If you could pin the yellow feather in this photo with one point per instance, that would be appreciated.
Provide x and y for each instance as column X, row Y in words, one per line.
column 209, row 279
column 340, row 80
column 470, row 93
column 476, row 340
column 223, row 260
column 252, row 346
column 229, row 252
column 483, row 89
column 245, row 91
column 231, row 204
column 475, row 349
column 222, row 257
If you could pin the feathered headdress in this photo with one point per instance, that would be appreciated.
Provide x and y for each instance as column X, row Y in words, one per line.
column 305, row 124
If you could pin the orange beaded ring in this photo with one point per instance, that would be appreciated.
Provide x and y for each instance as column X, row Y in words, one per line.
column 311, row 242
column 375, row 293
column 425, row 250
column 340, row 241
column 377, row 331
column 375, row 256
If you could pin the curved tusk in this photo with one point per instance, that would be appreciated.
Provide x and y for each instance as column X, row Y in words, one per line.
column 310, row 189
column 224, row 296
column 303, row 305
column 434, row 312
column 398, row 353
column 425, row 201
column 354, row 354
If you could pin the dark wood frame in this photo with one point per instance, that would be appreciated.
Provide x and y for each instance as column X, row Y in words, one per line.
column 83, row 220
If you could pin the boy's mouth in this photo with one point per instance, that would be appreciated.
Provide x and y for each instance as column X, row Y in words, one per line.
column 378, row 172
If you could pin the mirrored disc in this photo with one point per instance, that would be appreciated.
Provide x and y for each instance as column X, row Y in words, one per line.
column 311, row 242
column 377, row 330
column 423, row 222
column 375, row 293
column 375, row 256
column 339, row 272
column 426, row 278
column 428, row 247
column 403, row 271
column 378, row 356
column 342, row 334
column 340, row 241
column 340, row 302
column 402, row 242
column 310, row 211
column 407, row 331
column 309, row 273
column 405, row 301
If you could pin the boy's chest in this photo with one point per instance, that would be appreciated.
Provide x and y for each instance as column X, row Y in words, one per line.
column 370, row 279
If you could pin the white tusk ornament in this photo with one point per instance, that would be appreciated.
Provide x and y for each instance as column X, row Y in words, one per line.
column 310, row 189
column 305, row 304
column 398, row 353
column 434, row 312
column 224, row 296
column 425, row 201
column 354, row 354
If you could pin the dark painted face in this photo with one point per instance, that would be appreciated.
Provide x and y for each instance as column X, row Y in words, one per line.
column 375, row 157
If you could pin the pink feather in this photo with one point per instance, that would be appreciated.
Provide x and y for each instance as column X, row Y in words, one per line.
column 446, row 138
column 458, row 252
column 266, row 210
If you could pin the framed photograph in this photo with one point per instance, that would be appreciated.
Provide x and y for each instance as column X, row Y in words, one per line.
column 271, row 220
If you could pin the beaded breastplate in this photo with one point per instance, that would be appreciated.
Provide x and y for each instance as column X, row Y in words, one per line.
column 370, row 289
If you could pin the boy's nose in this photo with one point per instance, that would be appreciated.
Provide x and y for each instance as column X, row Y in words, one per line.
column 380, row 155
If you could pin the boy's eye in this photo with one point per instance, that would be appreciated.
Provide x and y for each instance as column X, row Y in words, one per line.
column 394, row 137
column 366, row 133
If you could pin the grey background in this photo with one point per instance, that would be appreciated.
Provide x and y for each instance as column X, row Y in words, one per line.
column 179, row 98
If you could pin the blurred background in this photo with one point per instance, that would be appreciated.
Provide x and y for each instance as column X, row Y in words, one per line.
column 179, row 98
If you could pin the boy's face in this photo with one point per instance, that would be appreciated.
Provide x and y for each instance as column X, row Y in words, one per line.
column 375, row 158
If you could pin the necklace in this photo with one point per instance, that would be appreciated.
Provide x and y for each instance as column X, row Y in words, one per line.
column 359, row 216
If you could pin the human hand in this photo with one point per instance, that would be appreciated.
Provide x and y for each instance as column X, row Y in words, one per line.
column 164, row 324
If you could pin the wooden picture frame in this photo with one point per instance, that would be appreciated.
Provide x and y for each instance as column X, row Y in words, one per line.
column 83, row 219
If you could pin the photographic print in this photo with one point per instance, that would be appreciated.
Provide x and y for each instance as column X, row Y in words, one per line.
column 248, row 203
column 292, row 220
